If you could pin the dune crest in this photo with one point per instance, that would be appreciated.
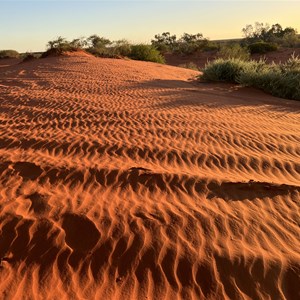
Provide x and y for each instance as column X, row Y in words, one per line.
column 124, row 179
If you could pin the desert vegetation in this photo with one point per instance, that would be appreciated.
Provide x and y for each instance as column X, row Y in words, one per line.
column 262, row 47
column 230, row 60
column 186, row 44
column 235, row 66
column 9, row 54
column 29, row 56
column 103, row 47
column 234, row 50
column 146, row 53
column 124, row 179
column 281, row 80
column 259, row 38
column 274, row 35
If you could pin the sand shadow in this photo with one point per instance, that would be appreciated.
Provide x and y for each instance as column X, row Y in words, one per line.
column 197, row 93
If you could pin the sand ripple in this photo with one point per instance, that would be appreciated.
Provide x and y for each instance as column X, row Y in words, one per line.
column 124, row 179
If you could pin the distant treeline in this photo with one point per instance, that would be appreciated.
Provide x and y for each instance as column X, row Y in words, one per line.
column 258, row 38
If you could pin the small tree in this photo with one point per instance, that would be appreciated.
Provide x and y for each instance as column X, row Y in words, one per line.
column 97, row 42
column 257, row 32
column 98, row 45
column 264, row 33
column 79, row 43
column 190, row 43
column 164, row 42
column 59, row 43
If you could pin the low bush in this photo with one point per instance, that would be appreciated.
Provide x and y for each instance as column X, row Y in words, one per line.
column 9, row 54
column 227, row 70
column 146, row 53
column 262, row 47
column 281, row 80
column 29, row 57
column 121, row 48
column 211, row 46
column 58, row 46
column 100, row 52
column 103, row 47
column 234, row 51
column 98, row 46
column 56, row 52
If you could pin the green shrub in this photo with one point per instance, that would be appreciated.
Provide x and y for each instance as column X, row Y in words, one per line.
column 259, row 75
column 100, row 52
column 99, row 46
column 121, row 48
column 191, row 43
column 210, row 46
column 234, row 51
column 146, row 53
column 97, row 42
column 9, row 54
column 272, row 80
column 164, row 42
column 227, row 70
column 262, row 47
column 281, row 80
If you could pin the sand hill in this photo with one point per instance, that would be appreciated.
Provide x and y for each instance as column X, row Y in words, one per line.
column 131, row 180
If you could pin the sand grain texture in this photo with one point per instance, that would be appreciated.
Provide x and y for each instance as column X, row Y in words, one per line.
column 122, row 179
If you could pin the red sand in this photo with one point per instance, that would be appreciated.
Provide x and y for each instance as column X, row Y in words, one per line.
column 125, row 179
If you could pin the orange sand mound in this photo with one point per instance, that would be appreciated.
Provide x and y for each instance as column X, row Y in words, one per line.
column 131, row 180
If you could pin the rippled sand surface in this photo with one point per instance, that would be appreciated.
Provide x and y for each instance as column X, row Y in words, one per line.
column 131, row 180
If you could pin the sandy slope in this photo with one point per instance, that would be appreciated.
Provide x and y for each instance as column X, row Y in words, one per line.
column 124, row 179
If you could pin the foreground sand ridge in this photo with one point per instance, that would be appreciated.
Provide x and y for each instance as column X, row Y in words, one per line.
column 123, row 179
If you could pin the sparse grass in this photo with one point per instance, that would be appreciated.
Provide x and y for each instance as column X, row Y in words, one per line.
column 281, row 80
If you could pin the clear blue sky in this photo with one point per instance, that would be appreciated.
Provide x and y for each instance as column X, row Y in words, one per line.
column 28, row 25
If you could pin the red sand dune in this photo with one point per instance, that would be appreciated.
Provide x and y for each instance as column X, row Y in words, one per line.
column 123, row 179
